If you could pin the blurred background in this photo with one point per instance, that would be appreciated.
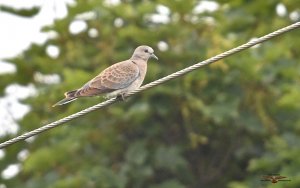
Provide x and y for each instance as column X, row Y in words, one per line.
column 224, row 125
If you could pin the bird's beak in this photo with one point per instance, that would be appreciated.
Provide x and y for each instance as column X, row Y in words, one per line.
column 154, row 56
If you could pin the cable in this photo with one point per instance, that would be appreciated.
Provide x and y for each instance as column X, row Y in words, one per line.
column 152, row 84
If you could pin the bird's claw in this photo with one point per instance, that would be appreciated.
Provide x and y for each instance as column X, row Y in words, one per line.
column 121, row 97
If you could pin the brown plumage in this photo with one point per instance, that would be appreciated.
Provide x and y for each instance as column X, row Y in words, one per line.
column 273, row 178
column 117, row 79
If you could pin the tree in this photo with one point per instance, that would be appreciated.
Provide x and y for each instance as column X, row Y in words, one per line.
column 225, row 125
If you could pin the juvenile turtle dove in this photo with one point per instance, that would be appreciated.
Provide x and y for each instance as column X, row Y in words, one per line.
column 117, row 79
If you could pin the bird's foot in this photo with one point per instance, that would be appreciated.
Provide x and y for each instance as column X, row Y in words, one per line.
column 122, row 97
column 106, row 97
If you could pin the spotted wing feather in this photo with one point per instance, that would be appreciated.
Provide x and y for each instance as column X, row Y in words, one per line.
column 117, row 76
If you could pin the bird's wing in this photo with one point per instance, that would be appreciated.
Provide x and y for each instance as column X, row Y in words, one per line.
column 279, row 177
column 117, row 76
column 267, row 177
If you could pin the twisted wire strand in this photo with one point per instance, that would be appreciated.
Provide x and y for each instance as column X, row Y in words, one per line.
column 152, row 84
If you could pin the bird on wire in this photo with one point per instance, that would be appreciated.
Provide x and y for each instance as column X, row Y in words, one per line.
column 116, row 80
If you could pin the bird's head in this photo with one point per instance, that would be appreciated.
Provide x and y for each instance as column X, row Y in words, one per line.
column 144, row 52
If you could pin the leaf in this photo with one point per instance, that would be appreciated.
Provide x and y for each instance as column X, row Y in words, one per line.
column 169, row 158
column 169, row 184
column 20, row 12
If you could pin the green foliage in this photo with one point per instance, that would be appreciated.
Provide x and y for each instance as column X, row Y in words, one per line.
column 225, row 125
column 20, row 12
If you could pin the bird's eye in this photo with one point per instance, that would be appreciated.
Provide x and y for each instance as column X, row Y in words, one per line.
column 146, row 51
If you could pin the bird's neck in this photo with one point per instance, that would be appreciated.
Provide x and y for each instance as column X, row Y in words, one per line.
column 137, row 57
column 142, row 66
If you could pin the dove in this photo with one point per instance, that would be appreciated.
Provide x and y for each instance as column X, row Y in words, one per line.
column 116, row 80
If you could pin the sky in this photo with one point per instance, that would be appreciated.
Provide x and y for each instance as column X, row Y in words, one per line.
column 17, row 35
column 12, row 40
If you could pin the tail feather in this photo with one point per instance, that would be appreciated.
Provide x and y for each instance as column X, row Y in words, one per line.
column 64, row 101
column 70, row 96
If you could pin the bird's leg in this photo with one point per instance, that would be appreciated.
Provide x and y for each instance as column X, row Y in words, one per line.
column 106, row 97
column 122, row 97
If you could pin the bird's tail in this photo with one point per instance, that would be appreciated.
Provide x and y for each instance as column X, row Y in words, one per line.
column 70, row 96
